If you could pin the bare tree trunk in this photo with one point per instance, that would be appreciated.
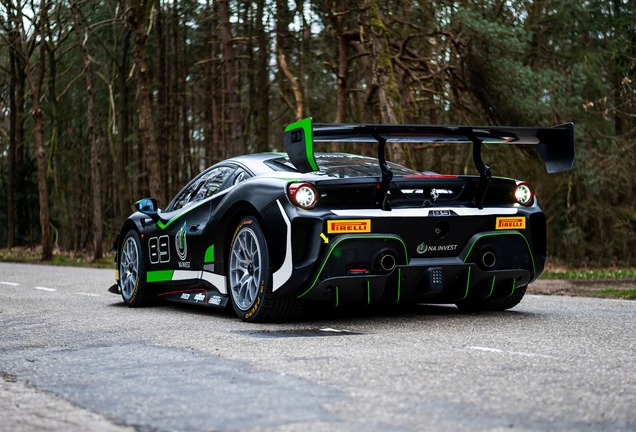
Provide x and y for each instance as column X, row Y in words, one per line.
column 283, row 38
column 262, row 81
column 298, row 95
column 82, row 37
column 236, row 139
column 38, row 131
column 13, row 37
column 122, row 150
column 138, row 18
column 377, row 36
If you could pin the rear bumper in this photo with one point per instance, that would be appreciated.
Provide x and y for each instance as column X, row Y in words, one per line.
column 350, row 271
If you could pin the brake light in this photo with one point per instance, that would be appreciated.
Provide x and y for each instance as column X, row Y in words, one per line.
column 303, row 195
column 524, row 194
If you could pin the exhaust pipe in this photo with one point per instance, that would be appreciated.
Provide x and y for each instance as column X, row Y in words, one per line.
column 386, row 261
column 487, row 259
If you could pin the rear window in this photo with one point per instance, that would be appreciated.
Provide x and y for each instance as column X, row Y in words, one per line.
column 339, row 165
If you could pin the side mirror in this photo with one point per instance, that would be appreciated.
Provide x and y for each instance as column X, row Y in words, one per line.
column 147, row 206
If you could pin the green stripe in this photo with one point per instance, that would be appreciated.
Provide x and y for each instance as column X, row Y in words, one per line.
column 399, row 283
column 357, row 236
column 492, row 287
column 467, row 284
column 368, row 292
column 162, row 225
column 337, row 298
column 159, row 275
column 209, row 255
column 514, row 283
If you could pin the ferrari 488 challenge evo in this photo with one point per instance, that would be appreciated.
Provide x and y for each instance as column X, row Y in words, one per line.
column 268, row 233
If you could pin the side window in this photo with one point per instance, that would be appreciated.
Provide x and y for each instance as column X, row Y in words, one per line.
column 212, row 183
column 187, row 195
column 205, row 186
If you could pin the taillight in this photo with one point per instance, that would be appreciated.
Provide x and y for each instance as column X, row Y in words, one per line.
column 303, row 195
column 524, row 194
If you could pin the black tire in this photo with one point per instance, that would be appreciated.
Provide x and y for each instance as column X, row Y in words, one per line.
column 494, row 304
column 132, row 272
column 250, row 278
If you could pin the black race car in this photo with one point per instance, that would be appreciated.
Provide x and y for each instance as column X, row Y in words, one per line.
column 270, row 232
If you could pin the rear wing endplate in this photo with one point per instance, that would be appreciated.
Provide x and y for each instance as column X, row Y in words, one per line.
column 555, row 145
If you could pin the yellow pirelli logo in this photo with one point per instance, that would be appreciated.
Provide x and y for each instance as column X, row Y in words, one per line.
column 511, row 223
column 349, row 226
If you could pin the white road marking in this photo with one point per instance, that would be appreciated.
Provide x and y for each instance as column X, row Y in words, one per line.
column 332, row 330
column 9, row 283
column 45, row 289
column 495, row 350
column 89, row 294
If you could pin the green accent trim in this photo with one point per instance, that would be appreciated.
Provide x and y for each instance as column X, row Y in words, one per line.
column 467, row 284
column 190, row 208
column 352, row 237
column 492, row 287
column 514, row 284
column 337, row 298
column 159, row 275
column 534, row 269
column 307, row 126
column 399, row 283
column 209, row 255
column 368, row 293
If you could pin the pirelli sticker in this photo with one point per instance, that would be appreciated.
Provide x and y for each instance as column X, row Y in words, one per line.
column 507, row 223
column 348, row 226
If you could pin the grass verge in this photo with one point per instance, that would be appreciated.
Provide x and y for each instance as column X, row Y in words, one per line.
column 60, row 258
column 627, row 294
column 590, row 274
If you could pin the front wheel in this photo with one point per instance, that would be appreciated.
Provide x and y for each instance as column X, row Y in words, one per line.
column 132, row 273
column 250, row 278
column 494, row 304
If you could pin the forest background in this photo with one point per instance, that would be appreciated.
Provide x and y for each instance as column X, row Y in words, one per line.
column 105, row 102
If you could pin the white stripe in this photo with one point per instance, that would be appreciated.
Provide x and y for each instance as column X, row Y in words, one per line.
column 89, row 294
column 45, row 289
column 9, row 283
column 495, row 350
column 285, row 271
column 186, row 274
column 424, row 212
column 217, row 280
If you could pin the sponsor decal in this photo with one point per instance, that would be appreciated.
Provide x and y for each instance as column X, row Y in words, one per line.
column 423, row 248
column 434, row 194
column 504, row 223
column 215, row 300
column 199, row 297
column 185, row 264
column 181, row 243
column 185, row 296
column 159, row 249
column 349, row 226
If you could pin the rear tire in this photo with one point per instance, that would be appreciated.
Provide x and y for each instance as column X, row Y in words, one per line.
column 132, row 272
column 250, row 278
column 494, row 304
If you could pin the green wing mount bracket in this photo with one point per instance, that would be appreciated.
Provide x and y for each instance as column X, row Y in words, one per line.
column 299, row 145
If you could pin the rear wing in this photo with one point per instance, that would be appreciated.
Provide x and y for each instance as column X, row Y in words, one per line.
column 555, row 145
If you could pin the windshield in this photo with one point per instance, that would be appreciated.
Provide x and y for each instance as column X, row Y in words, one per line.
column 340, row 165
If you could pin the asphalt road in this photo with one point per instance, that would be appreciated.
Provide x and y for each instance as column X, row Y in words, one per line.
column 73, row 357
